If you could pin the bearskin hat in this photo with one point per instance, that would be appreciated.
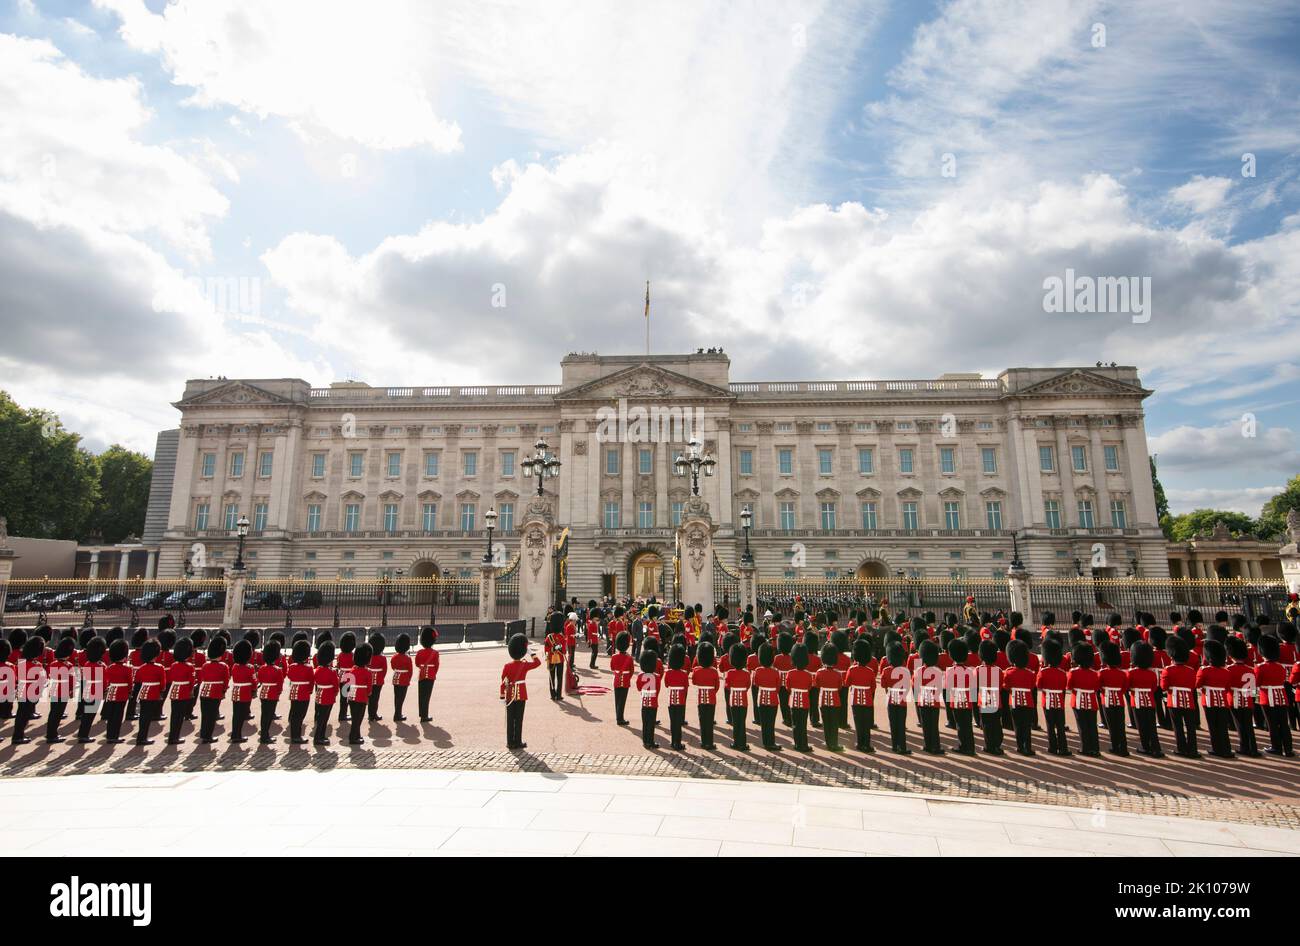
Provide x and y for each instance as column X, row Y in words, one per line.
column 704, row 654
column 517, row 646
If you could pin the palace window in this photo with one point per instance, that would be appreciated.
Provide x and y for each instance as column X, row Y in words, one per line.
column 1047, row 459
column 313, row 517
column 431, row 464
column 828, row 517
column 356, row 463
column 265, row 462
column 317, row 465
column 351, row 517
column 612, row 518
column 611, row 461
column 394, row 464
column 785, row 462
column 507, row 463
column 644, row 462
column 787, row 515
column 909, row 516
column 993, row 514
column 467, row 511
column 1052, row 513
column 677, row 510
column 952, row 515
column 259, row 517
column 989, row 458
column 232, row 516
column 390, row 517
column 947, row 460
column 905, row 460
column 746, row 462
column 645, row 515
column 237, row 464
column 866, row 463
column 209, row 466
column 1118, row 515
column 1079, row 458
column 825, row 462
column 1085, row 514
column 1111, row 455
column 470, row 458
column 506, row 517
column 201, row 516
column 429, row 517
column 869, row 515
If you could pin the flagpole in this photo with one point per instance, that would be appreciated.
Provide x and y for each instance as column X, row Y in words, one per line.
column 647, row 318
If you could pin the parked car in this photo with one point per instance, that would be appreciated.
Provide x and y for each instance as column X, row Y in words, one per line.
column 150, row 601
column 174, row 600
column 38, row 600
column 208, row 601
column 66, row 601
column 301, row 600
column 263, row 601
column 103, row 601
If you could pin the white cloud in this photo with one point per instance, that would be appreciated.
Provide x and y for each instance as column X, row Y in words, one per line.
column 1248, row 500
column 1202, row 194
column 1187, row 448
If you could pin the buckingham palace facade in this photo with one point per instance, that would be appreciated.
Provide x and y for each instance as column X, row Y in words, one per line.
column 926, row 478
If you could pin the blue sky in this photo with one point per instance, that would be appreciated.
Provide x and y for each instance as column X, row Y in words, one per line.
column 839, row 190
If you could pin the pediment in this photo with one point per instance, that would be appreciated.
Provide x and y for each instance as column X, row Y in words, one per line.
column 315, row 496
column 643, row 381
column 1080, row 383
column 951, row 492
column 868, row 493
column 747, row 494
column 992, row 492
column 828, row 494
column 910, row 492
column 787, row 493
column 233, row 394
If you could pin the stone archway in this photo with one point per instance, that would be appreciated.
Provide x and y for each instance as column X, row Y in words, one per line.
column 872, row 568
column 645, row 573
column 424, row 568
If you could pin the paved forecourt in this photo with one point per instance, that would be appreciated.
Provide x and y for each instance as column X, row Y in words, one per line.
column 579, row 736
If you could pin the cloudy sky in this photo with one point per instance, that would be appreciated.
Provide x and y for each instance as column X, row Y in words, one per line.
column 840, row 190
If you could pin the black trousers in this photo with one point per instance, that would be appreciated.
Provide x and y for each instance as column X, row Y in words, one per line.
column 86, row 720
column 1148, row 729
column 240, row 713
column 323, row 711
column 515, row 723
column 423, row 693
column 707, row 711
column 620, row 704
column 991, row 724
column 767, row 724
column 1114, row 716
column 1022, row 718
column 6, row 709
column 1245, row 716
column 649, row 718
column 57, row 709
column 595, row 649
column 784, row 697
column 864, row 717
column 897, row 713
column 1217, row 720
column 929, row 716
column 814, row 708
column 26, row 711
column 113, row 713
column 556, row 676
column 1184, row 721
column 132, row 702
column 209, row 712
column 265, row 720
column 399, row 698
column 1279, row 733
column 799, row 723
column 358, row 714
column 373, row 703
column 179, row 713
column 343, row 707
column 676, row 720
column 1089, row 741
column 963, row 719
column 1054, row 719
column 738, row 740
column 150, row 710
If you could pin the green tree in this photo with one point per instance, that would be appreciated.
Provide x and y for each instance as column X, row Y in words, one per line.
column 48, row 481
column 1272, row 518
column 1203, row 521
column 1162, row 502
column 123, row 494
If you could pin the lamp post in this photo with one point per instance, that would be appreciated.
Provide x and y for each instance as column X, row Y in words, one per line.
column 746, row 523
column 241, row 530
column 489, row 523
column 542, row 465
column 1016, row 563
column 696, row 460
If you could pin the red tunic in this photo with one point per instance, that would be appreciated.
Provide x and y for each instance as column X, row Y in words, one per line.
column 151, row 677
column 62, row 676
column 622, row 667
column 737, row 683
column 1215, row 684
column 378, row 670
column 768, row 681
column 1142, row 686
column 356, row 683
column 707, row 681
column 799, row 683
column 1241, row 684
column 1052, row 682
column 402, row 669
column 214, row 677
column 427, row 661
column 648, row 684
column 1179, row 683
column 513, row 687
column 243, row 681
column 861, row 681
column 593, row 632
column 1020, row 683
column 270, row 683
column 180, row 681
column 117, row 683
column 300, row 678
column 957, row 683
column 327, row 685
column 675, row 684
column 1269, row 678
column 828, row 680
column 1113, row 683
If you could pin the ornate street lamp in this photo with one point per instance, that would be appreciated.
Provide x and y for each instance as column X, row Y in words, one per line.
column 696, row 460
column 1078, row 568
column 490, row 523
column 241, row 530
column 1016, row 563
column 542, row 465
column 746, row 523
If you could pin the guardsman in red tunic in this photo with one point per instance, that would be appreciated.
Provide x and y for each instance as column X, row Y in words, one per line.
column 571, row 637
column 355, row 688
column 1144, row 697
column 214, row 678
column 767, row 683
column 555, row 649
column 622, row 666
column 737, row 682
column 1241, row 690
column 270, row 684
column 1020, row 683
column 647, row 683
column 860, row 681
column 706, row 680
column 1084, row 684
column 243, row 684
column 929, row 694
column 62, row 676
column 799, row 682
column 1179, row 683
column 1112, row 684
column 1270, row 678
column 515, row 691
column 958, row 685
column 117, row 689
column 299, row 676
column 427, row 661
column 593, row 634
column 8, row 680
column 1052, row 683
column 615, row 626
column 1215, row 685
column 90, row 685
column 676, row 686
column 378, row 674
column 896, row 680
column 326, row 681
column 133, row 661
column 181, row 677
column 343, row 663
column 784, row 644
column 402, row 670
column 150, row 688
column 989, row 697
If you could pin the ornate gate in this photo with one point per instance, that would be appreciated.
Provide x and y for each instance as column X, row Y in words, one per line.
column 726, row 585
column 561, row 587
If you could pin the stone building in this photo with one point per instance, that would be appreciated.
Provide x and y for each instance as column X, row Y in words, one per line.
column 930, row 478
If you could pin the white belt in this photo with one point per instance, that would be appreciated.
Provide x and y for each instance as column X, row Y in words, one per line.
column 1054, row 699
column 1021, row 697
column 767, row 696
column 1216, row 697
column 736, row 697
column 897, row 696
column 1114, row 696
column 1276, row 695
column 264, row 691
column 704, row 696
column 648, row 697
column 853, row 695
column 1241, row 696
column 175, row 690
column 989, row 697
column 1182, row 697
column 676, row 696
column 1085, row 699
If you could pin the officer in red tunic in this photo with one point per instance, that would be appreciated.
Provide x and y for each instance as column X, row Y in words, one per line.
column 929, row 684
column 623, row 667
column 402, row 669
column 1144, row 696
column 706, row 679
column 150, row 688
column 1020, row 683
column 737, row 682
column 515, row 691
column 1179, row 684
column 270, row 685
column 427, row 662
column 299, row 677
column 214, row 678
column 181, row 677
column 799, row 682
column 647, row 683
column 1241, row 690
column 896, row 680
column 90, row 694
column 989, row 697
column 592, row 629
column 243, row 684
column 958, row 685
column 342, row 664
column 555, row 648
column 326, row 684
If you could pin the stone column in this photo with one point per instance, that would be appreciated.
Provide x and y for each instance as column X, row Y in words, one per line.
column 487, row 592
column 695, row 539
column 94, row 566
column 748, row 588
column 233, row 617
column 1290, row 553
column 151, row 565
column 123, row 567
column 7, row 558
column 537, row 562
column 1018, row 584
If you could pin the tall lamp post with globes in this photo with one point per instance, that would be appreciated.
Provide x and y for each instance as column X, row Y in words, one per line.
column 489, row 523
column 695, row 460
column 542, row 465
column 241, row 530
